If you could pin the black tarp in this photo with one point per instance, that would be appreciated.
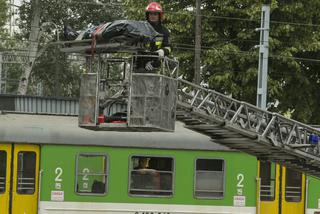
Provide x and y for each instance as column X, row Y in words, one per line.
column 123, row 31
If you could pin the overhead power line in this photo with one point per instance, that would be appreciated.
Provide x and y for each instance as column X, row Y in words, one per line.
column 188, row 47
column 248, row 19
column 204, row 49
column 257, row 20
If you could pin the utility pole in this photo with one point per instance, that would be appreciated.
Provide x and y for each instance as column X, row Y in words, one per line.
column 263, row 57
column 11, row 17
column 197, row 48
column 0, row 72
column 56, row 78
column 33, row 46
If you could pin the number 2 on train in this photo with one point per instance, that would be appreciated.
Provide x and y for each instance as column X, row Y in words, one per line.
column 58, row 179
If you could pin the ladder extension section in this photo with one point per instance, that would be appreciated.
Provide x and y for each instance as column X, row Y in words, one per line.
column 242, row 126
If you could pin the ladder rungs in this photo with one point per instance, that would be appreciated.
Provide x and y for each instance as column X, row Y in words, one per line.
column 301, row 145
column 203, row 127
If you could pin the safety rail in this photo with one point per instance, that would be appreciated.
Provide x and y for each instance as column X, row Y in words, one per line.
column 209, row 109
column 168, row 67
column 2, row 183
column 26, row 184
column 267, row 192
column 145, row 94
column 293, row 193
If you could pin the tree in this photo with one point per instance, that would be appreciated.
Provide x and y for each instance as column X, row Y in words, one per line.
column 229, row 59
column 3, row 12
column 3, row 20
column 34, row 41
column 77, row 14
column 298, row 77
column 59, row 73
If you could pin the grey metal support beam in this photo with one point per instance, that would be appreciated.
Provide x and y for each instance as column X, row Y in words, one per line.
column 1, row 62
column 248, row 128
column 197, row 52
column 263, row 57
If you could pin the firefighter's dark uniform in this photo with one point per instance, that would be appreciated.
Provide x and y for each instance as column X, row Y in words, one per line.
column 160, row 43
column 164, row 42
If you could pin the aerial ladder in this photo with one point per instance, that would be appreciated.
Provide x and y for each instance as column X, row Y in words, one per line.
column 245, row 127
column 115, row 97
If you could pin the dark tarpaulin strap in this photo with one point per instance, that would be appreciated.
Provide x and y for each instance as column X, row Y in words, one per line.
column 94, row 39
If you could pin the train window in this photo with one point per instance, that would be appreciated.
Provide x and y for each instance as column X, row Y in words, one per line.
column 268, row 180
column 151, row 176
column 3, row 170
column 209, row 178
column 26, row 172
column 91, row 173
column 293, row 185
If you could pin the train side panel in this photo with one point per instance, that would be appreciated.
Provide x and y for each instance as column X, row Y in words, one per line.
column 313, row 195
column 59, row 191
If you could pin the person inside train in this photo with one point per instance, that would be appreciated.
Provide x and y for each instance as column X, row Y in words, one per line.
column 143, row 163
column 154, row 15
column 98, row 187
column 144, row 176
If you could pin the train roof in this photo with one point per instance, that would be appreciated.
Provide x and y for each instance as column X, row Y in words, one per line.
column 48, row 129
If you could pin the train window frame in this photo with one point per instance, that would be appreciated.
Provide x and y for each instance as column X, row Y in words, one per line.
column 130, row 170
column 19, row 190
column 270, row 179
column 195, row 178
column 106, row 174
column 4, row 179
column 286, row 195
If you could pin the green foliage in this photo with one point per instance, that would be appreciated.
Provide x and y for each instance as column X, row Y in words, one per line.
column 13, row 75
column 6, row 42
column 298, row 79
column 59, row 76
column 3, row 12
column 3, row 19
column 229, row 58
column 77, row 14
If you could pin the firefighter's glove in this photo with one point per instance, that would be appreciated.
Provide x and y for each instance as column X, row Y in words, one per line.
column 149, row 66
column 160, row 52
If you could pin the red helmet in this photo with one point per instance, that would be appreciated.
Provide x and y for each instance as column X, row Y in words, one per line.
column 154, row 7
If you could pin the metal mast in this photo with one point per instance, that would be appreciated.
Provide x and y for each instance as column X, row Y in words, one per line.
column 1, row 72
column 263, row 57
column 197, row 54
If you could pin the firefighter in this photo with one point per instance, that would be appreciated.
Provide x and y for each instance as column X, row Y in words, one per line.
column 154, row 15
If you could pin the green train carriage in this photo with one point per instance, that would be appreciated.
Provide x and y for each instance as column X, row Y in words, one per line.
column 49, row 165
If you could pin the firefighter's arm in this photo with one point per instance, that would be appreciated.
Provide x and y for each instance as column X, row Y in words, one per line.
column 166, row 45
column 165, row 51
column 166, row 48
